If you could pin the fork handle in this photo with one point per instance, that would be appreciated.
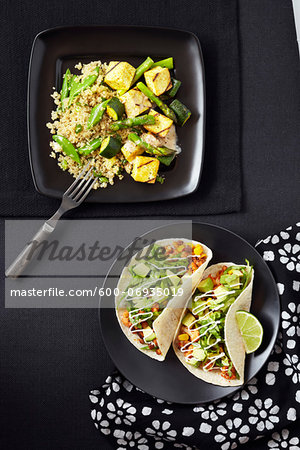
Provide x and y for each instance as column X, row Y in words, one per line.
column 24, row 258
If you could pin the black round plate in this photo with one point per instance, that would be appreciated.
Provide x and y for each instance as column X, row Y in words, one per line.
column 169, row 380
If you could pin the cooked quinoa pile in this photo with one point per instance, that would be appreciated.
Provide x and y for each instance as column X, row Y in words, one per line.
column 65, row 122
column 108, row 117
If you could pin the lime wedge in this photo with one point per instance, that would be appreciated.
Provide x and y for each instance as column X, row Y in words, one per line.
column 251, row 330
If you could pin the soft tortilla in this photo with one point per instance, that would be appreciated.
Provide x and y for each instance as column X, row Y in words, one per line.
column 233, row 338
column 166, row 323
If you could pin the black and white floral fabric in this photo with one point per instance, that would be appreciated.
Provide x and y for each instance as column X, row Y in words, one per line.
column 264, row 414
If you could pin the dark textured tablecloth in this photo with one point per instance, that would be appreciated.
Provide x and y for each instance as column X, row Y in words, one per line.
column 215, row 23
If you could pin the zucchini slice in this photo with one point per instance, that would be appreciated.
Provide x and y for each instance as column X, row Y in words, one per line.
column 110, row 147
column 181, row 111
column 115, row 108
column 175, row 86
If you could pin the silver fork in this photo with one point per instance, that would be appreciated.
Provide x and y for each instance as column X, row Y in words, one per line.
column 72, row 198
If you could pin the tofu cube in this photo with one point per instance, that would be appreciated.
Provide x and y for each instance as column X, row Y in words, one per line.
column 170, row 140
column 135, row 102
column 151, row 139
column 130, row 151
column 119, row 75
column 158, row 80
column 145, row 169
column 162, row 124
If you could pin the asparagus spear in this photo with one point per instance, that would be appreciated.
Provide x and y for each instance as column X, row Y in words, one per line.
column 156, row 151
column 165, row 109
column 142, row 69
column 166, row 160
column 168, row 63
column 146, row 119
column 146, row 65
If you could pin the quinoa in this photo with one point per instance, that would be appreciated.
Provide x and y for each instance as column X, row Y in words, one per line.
column 64, row 123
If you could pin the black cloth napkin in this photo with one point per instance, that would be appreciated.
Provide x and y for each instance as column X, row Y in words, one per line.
column 215, row 22
column 264, row 414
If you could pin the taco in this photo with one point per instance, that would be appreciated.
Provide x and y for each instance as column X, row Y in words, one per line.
column 207, row 340
column 153, row 290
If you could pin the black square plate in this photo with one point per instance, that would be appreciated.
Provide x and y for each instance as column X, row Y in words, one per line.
column 57, row 49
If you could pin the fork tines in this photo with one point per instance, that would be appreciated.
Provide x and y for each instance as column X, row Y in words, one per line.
column 83, row 184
